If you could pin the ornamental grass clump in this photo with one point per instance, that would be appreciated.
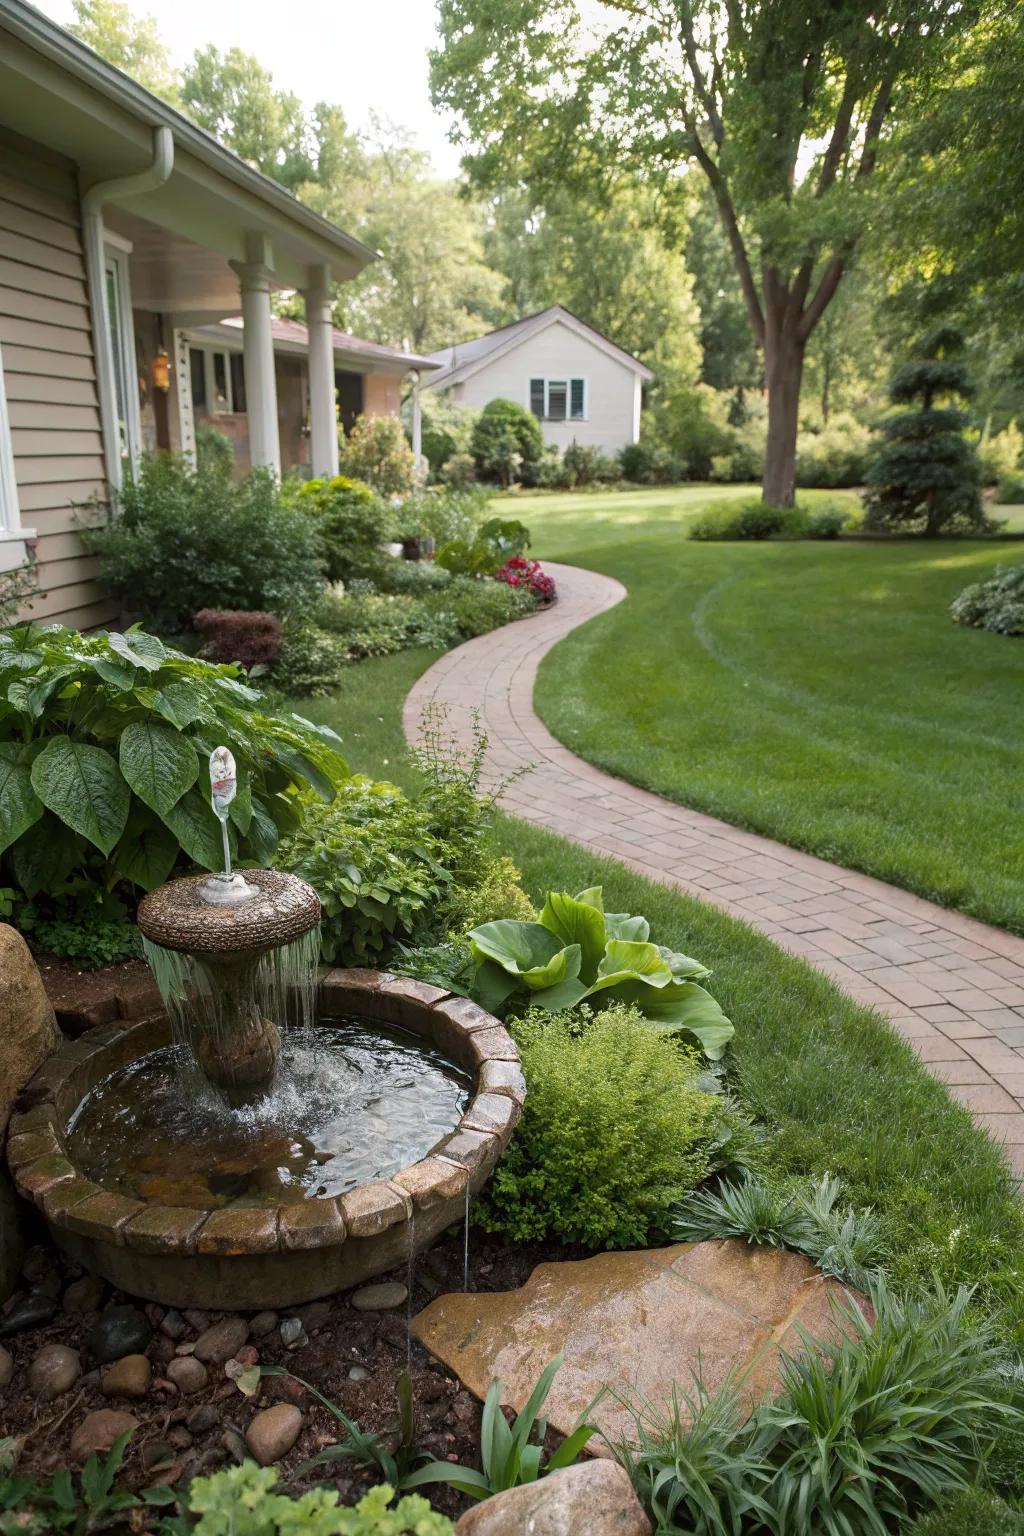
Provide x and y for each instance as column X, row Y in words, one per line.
column 615, row 1130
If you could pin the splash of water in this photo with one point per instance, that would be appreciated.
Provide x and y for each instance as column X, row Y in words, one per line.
column 280, row 986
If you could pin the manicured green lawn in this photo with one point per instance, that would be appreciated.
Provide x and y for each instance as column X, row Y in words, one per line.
column 838, row 1090
column 815, row 692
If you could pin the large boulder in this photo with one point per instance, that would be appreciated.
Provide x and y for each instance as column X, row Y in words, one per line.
column 28, row 1035
column 594, row 1498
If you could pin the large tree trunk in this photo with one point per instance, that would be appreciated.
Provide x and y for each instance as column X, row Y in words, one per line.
column 784, row 366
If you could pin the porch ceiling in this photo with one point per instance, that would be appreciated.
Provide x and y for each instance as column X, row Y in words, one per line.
column 174, row 275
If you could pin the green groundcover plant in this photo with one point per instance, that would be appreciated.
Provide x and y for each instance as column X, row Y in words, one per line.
column 996, row 604
column 576, row 952
column 616, row 1129
column 104, row 777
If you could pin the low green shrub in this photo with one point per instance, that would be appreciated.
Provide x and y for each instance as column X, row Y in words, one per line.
column 444, row 513
column 835, row 456
column 186, row 539
column 577, row 952
column 1010, row 490
column 495, row 543
column 647, row 463
column 737, row 519
column 352, row 524
column 378, row 452
column 827, row 521
column 412, row 578
column 105, row 742
column 459, row 471
column 507, row 442
column 475, row 607
column 498, row 895
column 244, row 1501
column 376, row 863
column 370, row 624
column 996, row 604
column 802, row 1215
column 310, row 662
column 615, row 1130
column 84, row 935
column 1002, row 455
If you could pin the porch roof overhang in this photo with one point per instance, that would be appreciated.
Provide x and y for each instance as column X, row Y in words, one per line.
column 57, row 92
column 353, row 353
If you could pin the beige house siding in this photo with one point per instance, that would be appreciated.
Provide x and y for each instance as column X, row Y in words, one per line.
column 46, row 343
column 557, row 352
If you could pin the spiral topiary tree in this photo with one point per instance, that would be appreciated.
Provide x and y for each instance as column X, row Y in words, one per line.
column 925, row 476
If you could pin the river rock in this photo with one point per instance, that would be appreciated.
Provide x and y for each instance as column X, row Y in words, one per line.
column 595, row 1498
column 383, row 1297
column 293, row 1335
column 219, row 1342
column 188, row 1374
column 117, row 1332
column 85, row 1295
column 6, row 1366
column 173, row 1326
column 54, row 1371
column 262, row 1324
column 31, row 1310
column 128, row 1377
column 98, row 1431
column 273, row 1432
column 202, row 1419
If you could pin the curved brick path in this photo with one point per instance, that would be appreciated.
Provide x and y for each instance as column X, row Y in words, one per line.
column 952, row 986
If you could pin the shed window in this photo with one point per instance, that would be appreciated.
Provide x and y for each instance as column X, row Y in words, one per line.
column 559, row 399
column 218, row 380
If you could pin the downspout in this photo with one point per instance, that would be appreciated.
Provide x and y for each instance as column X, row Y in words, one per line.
column 93, row 203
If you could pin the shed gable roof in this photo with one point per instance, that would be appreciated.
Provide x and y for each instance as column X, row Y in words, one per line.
column 468, row 357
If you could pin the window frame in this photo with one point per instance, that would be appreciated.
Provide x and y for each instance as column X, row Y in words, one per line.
column 121, row 340
column 13, row 537
column 567, row 380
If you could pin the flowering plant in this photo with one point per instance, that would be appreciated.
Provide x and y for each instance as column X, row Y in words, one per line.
column 520, row 572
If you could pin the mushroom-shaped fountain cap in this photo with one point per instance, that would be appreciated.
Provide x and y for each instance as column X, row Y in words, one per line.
column 282, row 909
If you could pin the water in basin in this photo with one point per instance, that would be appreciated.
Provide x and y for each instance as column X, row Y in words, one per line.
column 350, row 1102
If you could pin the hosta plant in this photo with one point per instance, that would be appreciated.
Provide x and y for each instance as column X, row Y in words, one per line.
column 577, row 952
column 104, row 748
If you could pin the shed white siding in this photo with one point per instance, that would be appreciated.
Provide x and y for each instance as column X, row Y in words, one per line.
column 612, row 388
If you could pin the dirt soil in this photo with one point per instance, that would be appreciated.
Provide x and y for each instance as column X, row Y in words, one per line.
column 181, row 1437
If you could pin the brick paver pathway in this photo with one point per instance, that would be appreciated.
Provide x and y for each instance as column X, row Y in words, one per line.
column 951, row 985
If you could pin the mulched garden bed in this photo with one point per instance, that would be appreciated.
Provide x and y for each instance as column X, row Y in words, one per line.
column 353, row 1357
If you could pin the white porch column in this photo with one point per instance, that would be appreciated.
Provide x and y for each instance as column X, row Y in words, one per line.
column 323, row 416
column 254, row 276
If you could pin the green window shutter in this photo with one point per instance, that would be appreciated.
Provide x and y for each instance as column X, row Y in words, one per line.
column 537, row 397
column 576, row 400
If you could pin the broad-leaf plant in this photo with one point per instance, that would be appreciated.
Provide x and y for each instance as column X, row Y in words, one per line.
column 577, row 952
column 104, row 748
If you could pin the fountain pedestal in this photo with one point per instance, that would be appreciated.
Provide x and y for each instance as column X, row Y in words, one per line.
column 211, row 960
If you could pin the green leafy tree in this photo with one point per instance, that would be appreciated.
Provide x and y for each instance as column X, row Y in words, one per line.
column 604, row 255
column 506, row 440
column 130, row 42
column 926, row 477
column 784, row 109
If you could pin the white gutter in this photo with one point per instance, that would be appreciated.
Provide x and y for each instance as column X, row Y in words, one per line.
column 93, row 241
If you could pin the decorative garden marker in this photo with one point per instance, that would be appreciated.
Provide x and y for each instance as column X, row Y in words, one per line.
column 226, row 889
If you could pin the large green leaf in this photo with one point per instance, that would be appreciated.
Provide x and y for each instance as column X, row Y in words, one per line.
column 45, row 856
column 517, row 946
column 197, row 830
column 262, row 836
column 147, row 851
column 557, row 984
column 492, row 985
column 158, row 763
column 179, row 704
column 624, row 960
column 140, row 649
column 682, row 1006
column 575, row 921
column 681, row 966
column 20, row 806
column 84, row 787
column 637, row 930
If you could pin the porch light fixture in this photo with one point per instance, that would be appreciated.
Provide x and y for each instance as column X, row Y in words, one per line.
column 160, row 371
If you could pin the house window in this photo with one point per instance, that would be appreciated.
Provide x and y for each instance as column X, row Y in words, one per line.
column 559, row 399
column 218, row 381
column 121, row 340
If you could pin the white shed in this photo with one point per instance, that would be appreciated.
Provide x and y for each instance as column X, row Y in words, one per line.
column 580, row 385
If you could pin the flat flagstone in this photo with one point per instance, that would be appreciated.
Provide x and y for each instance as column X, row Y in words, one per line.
column 919, row 963
column 637, row 1323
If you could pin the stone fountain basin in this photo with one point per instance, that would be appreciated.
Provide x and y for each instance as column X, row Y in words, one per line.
column 248, row 1257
